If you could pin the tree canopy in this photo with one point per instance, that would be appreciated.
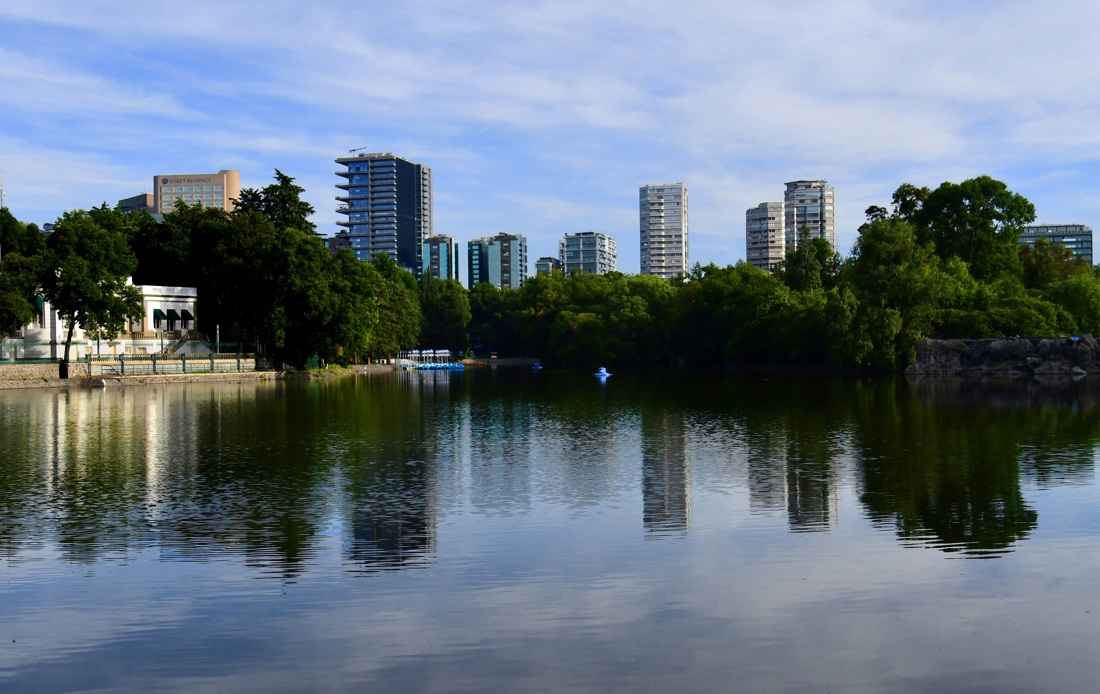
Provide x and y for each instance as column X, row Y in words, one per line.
column 85, row 270
column 943, row 262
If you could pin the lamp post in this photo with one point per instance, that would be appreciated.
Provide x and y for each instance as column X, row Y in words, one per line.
column 218, row 338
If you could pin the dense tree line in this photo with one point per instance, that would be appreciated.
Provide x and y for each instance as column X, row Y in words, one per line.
column 940, row 263
column 265, row 281
column 943, row 262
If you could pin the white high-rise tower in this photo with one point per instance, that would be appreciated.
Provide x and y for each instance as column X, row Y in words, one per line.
column 663, row 212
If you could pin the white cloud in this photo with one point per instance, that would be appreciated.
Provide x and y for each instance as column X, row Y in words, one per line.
column 513, row 104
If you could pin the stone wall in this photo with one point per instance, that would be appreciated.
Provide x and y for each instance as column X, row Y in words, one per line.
column 17, row 371
column 1017, row 357
column 46, row 376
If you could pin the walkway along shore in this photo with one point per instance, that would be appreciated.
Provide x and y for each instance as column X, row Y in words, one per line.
column 45, row 376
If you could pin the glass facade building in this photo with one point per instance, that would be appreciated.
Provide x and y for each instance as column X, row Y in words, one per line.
column 663, row 216
column 388, row 203
column 440, row 258
column 1077, row 238
column 500, row 260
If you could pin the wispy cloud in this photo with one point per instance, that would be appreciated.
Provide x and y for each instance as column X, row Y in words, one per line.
column 541, row 115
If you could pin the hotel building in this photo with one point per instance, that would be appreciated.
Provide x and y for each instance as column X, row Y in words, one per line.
column 209, row 190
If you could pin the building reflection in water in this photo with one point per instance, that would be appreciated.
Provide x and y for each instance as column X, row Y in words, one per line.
column 389, row 507
column 666, row 474
column 793, row 473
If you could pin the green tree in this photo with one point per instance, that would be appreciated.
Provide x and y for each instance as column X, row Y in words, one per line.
column 895, row 281
column 302, row 305
column 20, row 244
column 398, row 309
column 356, row 287
column 280, row 202
column 1044, row 263
column 812, row 265
column 18, row 286
column 84, row 273
column 176, row 251
column 978, row 220
column 493, row 317
column 445, row 309
column 1079, row 296
column 17, row 237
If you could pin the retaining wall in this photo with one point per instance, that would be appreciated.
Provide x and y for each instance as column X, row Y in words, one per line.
column 1015, row 357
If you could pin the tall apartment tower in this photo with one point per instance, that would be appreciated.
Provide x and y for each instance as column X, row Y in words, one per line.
column 663, row 211
column 500, row 260
column 765, row 237
column 440, row 258
column 809, row 203
column 388, row 201
column 209, row 190
column 588, row 251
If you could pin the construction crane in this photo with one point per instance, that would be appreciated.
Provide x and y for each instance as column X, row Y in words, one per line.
column 353, row 151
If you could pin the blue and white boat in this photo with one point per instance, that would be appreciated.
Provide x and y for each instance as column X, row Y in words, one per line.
column 601, row 373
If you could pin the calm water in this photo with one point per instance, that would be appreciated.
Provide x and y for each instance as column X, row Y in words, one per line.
column 513, row 531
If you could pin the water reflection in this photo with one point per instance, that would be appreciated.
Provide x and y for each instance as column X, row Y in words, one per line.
column 261, row 472
column 666, row 473
column 491, row 531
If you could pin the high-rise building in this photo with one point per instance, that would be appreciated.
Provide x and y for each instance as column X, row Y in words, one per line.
column 209, row 190
column 663, row 211
column 547, row 264
column 388, row 201
column 440, row 258
column 500, row 260
column 765, row 238
column 1077, row 238
column 810, row 204
column 588, row 251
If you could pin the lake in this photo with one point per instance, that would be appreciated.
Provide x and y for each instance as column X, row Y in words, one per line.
column 505, row 530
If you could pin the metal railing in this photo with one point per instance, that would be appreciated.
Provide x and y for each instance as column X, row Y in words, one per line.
column 145, row 364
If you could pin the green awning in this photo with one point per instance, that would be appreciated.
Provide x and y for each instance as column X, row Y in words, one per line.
column 158, row 315
column 172, row 315
column 187, row 315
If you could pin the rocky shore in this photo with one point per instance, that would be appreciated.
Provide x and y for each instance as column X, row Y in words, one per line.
column 1017, row 357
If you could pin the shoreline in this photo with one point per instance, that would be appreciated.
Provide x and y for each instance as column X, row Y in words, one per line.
column 36, row 376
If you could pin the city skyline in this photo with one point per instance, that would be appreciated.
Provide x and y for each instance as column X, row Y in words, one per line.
column 544, row 119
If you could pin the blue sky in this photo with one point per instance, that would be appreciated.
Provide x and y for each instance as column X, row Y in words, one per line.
column 543, row 118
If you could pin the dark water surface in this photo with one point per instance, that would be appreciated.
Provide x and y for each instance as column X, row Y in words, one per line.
column 513, row 531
